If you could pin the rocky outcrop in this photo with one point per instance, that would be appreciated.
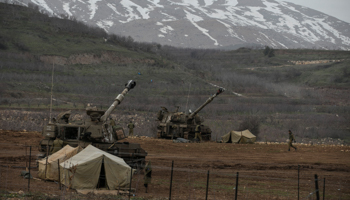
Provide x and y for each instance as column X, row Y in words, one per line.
column 88, row 59
column 312, row 62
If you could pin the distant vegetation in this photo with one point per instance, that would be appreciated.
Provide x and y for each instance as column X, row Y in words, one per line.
column 281, row 89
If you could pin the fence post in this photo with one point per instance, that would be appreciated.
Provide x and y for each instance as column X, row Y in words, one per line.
column 30, row 158
column 324, row 187
column 236, row 186
column 206, row 194
column 298, row 179
column 316, row 185
column 171, row 179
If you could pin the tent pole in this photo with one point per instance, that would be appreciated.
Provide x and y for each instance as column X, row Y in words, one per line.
column 46, row 167
column 130, row 181
column 59, row 173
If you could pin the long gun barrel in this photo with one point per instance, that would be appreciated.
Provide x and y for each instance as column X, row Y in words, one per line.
column 220, row 90
column 128, row 86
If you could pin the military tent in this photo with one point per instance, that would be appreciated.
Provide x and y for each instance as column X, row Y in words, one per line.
column 242, row 137
column 48, row 167
column 93, row 168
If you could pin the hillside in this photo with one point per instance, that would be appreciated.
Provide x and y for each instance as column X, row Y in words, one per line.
column 32, row 43
column 302, row 89
column 208, row 24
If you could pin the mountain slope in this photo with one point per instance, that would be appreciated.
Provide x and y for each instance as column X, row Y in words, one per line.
column 209, row 23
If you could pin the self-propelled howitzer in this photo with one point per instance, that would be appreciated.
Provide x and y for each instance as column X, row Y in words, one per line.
column 98, row 129
column 178, row 124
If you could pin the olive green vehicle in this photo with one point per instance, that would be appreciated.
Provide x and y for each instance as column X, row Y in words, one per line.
column 180, row 125
column 97, row 130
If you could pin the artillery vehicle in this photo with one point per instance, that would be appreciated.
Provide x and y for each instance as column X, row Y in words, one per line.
column 98, row 129
column 178, row 124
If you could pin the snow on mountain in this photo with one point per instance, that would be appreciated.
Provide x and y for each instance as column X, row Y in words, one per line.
column 209, row 23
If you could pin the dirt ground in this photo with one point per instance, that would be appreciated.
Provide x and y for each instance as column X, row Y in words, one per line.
column 266, row 171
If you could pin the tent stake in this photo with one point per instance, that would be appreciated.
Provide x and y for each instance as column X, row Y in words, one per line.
column 298, row 179
column 236, row 186
column 206, row 195
column 30, row 157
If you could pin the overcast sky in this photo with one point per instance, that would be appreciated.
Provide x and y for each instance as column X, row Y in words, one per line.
column 336, row 8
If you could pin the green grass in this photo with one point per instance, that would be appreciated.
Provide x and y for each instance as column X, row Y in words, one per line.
column 40, row 35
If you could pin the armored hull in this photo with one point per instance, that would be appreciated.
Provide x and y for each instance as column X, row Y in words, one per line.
column 98, row 130
column 73, row 135
column 178, row 124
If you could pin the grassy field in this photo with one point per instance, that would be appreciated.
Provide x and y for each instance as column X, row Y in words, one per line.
column 265, row 170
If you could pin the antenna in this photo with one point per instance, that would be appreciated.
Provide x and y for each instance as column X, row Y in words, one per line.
column 188, row 97
column 53, row 67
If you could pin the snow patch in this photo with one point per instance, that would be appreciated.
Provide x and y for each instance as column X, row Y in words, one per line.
column 113, row 8
column 105, row 24
column 129, row 7
column 231, row 31
column 192, row 18
column 166, row 29
column 254, row 12
column 43, row 4
column 167, row 17
column 271, row 41
column 272, row 7
column 231, row 2
column 93, row 7
column 66, row 9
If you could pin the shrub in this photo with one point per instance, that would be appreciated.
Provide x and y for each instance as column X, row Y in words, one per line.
column 252, row 123
column 3, row 46
column 20, row 46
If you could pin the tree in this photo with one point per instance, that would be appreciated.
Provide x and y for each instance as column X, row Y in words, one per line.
column 270, row 52
column 266, row 50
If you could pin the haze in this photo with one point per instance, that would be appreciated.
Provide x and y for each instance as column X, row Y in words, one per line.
column 335, row 8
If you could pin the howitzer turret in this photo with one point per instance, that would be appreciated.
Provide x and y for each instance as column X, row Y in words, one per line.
column 128, row 86
column 99, row 130
column 178, row 124
column 209, row 100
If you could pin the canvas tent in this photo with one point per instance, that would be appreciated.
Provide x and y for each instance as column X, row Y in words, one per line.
column 48, row 167
column 93, row 168
column 242, row 137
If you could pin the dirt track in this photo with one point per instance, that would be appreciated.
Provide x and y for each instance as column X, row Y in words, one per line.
column 266, row 171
